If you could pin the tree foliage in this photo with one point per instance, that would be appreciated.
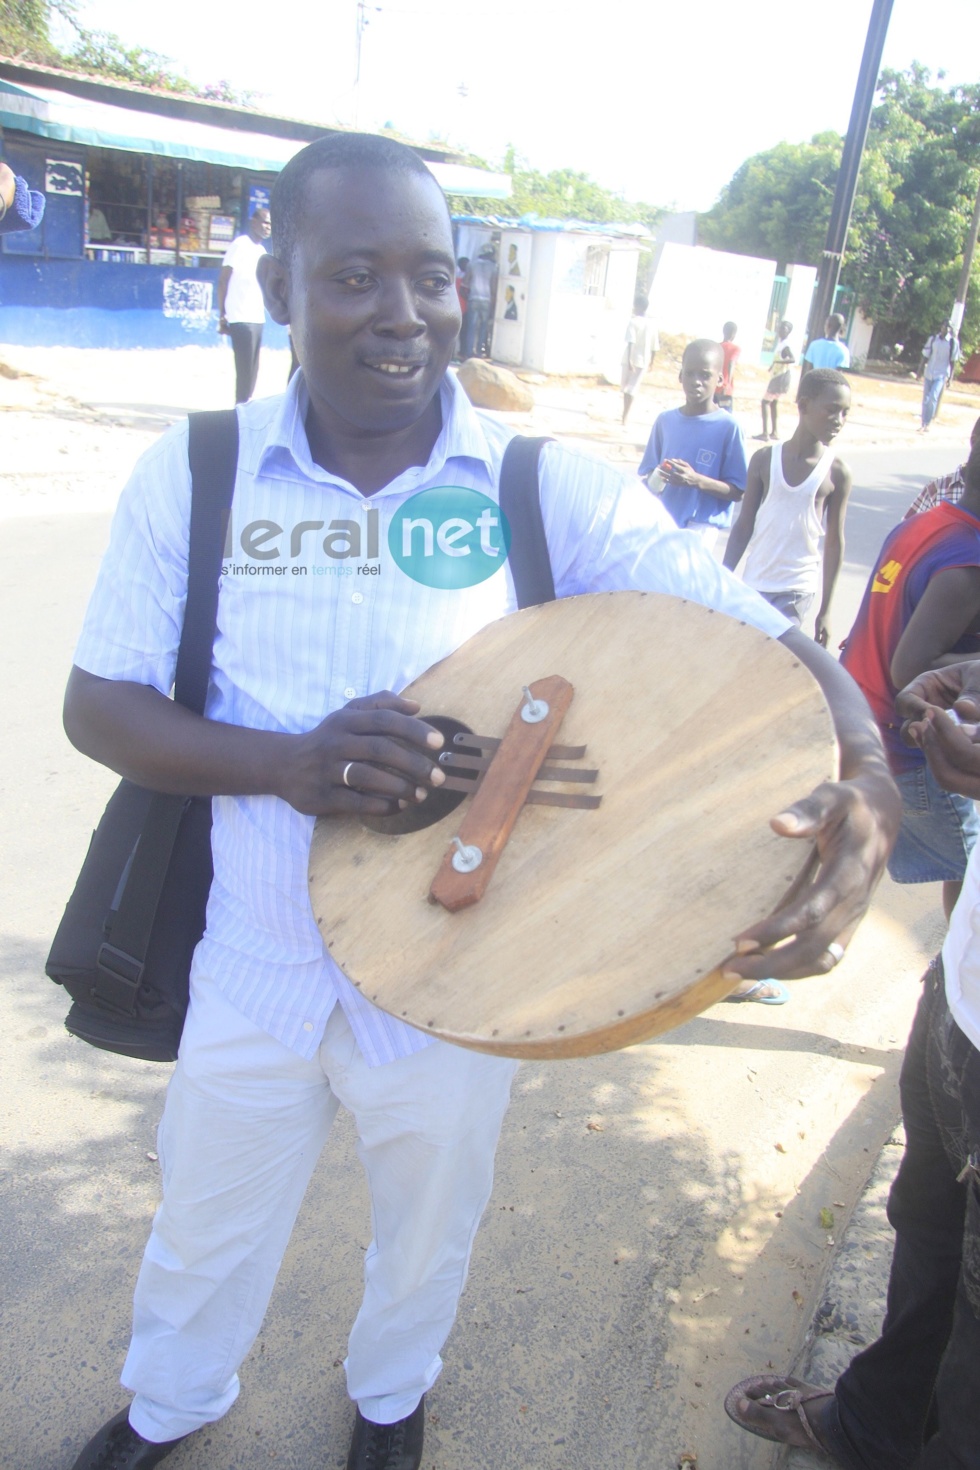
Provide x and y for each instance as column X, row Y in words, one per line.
column 564, row 193
column 916, row 191
column 25, row 29
column 25, row 34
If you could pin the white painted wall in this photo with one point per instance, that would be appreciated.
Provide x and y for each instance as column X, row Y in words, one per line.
column 696, row 290
column 859, row 337
column 543, row 254
column 802, row 279
column 582, row 334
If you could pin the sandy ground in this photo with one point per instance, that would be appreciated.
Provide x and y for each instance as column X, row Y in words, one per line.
column 75, row 420
column 654, row 1233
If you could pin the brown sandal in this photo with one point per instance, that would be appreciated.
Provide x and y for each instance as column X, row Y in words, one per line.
column 788, row 1395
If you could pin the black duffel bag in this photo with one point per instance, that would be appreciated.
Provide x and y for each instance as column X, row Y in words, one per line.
column 124, row 945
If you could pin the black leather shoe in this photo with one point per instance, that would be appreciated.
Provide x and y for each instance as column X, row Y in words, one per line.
column 117, row 1446
column 395, row 1446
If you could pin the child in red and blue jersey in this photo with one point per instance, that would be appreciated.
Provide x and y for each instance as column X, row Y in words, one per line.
column 921, row 609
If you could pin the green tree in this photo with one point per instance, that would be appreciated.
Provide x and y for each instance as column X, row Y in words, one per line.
column 25, row 29
column 564, row 193
column 25, row 34
column 916, row 190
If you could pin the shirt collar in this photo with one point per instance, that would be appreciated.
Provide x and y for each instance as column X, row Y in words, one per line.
column 285, row 450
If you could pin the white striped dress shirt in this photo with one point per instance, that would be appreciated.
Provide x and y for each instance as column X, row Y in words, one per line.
column 293, row 646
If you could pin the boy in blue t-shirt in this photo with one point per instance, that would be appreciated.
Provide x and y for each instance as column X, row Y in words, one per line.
column 700, row 447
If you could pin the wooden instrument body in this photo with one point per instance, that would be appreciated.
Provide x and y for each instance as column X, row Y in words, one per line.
column 600, row 928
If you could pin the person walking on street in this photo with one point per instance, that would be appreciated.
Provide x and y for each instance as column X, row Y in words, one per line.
column 827, row 351
column 778, row 386
column 241, row 310
column 481, row 277
column 642, row 343
column 725, row 392
column 796, row 496
column 940, row 356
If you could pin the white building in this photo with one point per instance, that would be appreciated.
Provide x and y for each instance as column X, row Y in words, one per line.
column 564, row 291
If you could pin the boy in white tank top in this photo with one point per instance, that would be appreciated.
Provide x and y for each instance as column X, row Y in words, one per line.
column 797, row 493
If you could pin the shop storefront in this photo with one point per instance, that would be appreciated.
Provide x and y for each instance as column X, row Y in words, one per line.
column 144, row 194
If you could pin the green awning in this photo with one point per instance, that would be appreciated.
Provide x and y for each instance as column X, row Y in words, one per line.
column 64, row 118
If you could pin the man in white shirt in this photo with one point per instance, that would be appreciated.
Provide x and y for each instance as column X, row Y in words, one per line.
column 911, row 1401
column 939, row 358
column 241, row 309
column 276, row 1037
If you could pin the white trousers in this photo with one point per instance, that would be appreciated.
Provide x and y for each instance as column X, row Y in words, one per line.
column 244, row 1122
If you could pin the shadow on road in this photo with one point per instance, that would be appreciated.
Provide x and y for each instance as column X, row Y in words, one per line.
column 617, row 1240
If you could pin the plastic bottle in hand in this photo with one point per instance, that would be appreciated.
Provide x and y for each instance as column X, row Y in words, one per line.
column 659, row 478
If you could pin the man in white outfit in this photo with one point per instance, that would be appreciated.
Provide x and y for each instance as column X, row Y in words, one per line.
column 796, row 494
column 241, row 309
column 276, row 1037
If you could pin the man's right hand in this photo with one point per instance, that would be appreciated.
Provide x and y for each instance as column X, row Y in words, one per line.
column 223, row 326
column 952, row 750
column 385, row 752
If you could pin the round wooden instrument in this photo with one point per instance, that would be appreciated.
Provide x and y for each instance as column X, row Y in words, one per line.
column 598, row 925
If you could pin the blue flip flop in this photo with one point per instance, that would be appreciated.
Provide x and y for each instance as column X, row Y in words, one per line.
column 779, row 999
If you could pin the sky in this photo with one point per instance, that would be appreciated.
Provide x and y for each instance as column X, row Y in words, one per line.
column 660, row 100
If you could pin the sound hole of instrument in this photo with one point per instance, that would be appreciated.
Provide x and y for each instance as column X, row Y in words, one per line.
column 439, row 802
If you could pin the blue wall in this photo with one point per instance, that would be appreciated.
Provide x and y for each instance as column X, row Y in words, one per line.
column 85, row 303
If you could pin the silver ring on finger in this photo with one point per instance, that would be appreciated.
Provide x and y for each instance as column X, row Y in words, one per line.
column 345, row 774
column 836, row 952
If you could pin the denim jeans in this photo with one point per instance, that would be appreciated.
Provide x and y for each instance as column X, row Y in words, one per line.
column 932, row 391
column 938, row 832
column 912, row 1399
column 476, row 325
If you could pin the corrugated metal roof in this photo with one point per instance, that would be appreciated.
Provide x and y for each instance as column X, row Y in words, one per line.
column 64, row 118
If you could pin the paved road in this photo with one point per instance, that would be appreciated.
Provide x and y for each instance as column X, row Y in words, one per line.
column 654, row 1232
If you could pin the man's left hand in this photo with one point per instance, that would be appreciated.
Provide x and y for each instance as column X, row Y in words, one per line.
column 821, row 631
column 853, row 824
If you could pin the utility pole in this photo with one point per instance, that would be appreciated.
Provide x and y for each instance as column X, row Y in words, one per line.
column 361, row 24
column 962, row 290
column 828, row 272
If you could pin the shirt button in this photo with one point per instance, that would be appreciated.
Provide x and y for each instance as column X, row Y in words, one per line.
column 357, row 597
column 350, row 693
column 307, row 1025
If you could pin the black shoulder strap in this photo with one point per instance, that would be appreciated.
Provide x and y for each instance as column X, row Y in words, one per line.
column 212, row 451
column 520, row 502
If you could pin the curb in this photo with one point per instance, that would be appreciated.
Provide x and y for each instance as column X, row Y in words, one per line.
column 852, row 1307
